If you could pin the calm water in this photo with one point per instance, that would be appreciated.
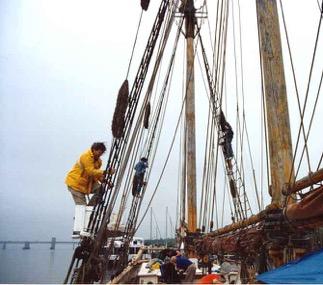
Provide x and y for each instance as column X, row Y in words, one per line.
column 38, row 265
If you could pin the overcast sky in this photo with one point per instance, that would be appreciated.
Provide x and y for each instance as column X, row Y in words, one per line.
column 61, row 66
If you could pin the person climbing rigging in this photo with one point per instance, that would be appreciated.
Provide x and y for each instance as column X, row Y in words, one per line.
column 138, row 180
column 83, row 179
column 86, row 176
column 227, row 137
column 227, row 141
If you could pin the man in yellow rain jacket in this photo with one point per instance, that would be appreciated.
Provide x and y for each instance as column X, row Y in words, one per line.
column 85, row 176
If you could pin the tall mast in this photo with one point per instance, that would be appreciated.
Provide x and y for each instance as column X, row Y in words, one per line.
column 280, row 143
column 189, row 14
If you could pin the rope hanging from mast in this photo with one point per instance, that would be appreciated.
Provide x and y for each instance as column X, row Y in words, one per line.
column 118, row 121
column 145, row 4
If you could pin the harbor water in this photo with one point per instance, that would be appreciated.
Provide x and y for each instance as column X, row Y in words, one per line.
column 37, row 265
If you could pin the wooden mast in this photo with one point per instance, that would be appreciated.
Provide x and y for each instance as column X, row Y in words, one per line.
column 279, row 135
column 188, row 197
column 280, row 143
column 189, row 14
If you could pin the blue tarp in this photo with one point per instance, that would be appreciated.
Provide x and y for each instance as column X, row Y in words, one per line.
column 305, row 270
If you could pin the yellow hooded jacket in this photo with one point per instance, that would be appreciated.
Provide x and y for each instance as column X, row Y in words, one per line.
column 84, row 173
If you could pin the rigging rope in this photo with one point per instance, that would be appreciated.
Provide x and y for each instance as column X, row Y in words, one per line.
column 134, row 45
column 170, row 67
column 302, row 110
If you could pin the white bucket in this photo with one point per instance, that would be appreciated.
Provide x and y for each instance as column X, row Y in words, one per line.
column 79, row 218
column 82, row 217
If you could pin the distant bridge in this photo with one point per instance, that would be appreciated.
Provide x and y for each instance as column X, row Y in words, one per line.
column 26, row 244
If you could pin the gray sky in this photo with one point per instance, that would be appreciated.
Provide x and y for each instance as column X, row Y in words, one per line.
column 61, row 66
